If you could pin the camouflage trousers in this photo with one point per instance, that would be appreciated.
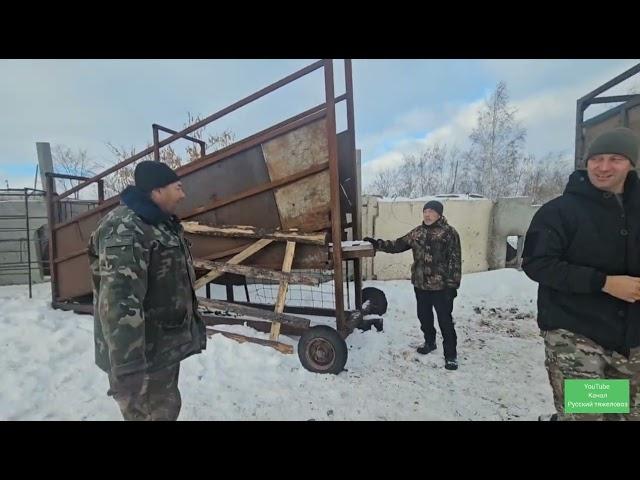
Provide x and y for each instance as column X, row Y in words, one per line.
column 158, row 399
column 572, row 356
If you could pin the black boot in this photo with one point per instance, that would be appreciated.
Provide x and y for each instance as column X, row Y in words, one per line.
column 548, row 418
column 427, row 348
column 451, row 364
column 379, row 324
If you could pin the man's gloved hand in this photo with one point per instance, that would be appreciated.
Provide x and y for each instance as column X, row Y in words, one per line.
column 372, row 241
column 452, row 293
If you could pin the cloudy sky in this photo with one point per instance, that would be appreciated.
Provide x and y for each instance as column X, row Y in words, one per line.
column 400, row 105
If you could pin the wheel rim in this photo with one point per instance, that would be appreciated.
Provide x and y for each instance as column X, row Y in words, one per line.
column 320, row 353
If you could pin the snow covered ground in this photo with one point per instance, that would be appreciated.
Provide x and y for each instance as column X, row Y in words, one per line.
column 47, row 370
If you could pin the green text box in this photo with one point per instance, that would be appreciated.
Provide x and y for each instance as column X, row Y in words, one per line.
column 596, row 396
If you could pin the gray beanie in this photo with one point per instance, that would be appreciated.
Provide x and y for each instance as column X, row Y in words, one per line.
column 621, row 141
column 434, row 205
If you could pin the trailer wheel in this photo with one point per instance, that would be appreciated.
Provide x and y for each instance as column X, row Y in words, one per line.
column 321, row 349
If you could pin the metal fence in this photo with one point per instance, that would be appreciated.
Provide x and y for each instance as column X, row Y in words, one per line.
column 17, row 240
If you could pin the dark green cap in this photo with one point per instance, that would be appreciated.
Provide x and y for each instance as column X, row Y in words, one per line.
column 621, row 141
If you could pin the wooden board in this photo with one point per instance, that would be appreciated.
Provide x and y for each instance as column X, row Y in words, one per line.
column 246, row 253
column 282, row 291
column 245, row 231
column 256, row 272
column 281, row 347
column 255, row 312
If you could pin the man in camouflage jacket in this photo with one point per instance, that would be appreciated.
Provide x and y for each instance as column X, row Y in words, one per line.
column 435, row 275
column 145, row 309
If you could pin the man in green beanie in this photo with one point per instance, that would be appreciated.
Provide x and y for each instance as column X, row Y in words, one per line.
column 583, row 249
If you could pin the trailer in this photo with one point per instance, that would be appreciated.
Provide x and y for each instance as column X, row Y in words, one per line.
column 278, row 211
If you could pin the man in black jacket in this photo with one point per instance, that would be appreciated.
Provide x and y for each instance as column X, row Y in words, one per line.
column 583, row 249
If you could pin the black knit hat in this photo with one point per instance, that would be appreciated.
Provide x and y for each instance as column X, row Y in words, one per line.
column 621, row 141
column 434, row 205
column 150, row 174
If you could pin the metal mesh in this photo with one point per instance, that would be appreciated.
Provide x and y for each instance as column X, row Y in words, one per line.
column 321, row 296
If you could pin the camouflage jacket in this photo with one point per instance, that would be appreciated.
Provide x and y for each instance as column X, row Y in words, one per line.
column 436, row 255
column 145, row 308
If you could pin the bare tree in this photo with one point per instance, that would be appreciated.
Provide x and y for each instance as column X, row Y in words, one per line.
column 384, row 184
column 117, row 181
column 428, row 171
column 213, row 142
column 497, row 144
column 69, row 162
column 454, row 173
column 495, row 165
column 546, row 178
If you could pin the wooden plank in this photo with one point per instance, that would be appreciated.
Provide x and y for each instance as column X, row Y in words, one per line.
column 257, row 272
column 225, row 253
column 295, row 309
column 355, row 249
column 260, row 325
column 243, row 231
column 353, row 254
column 246, row 253
column 281, row 347
column 255, row 312
column 284, row 285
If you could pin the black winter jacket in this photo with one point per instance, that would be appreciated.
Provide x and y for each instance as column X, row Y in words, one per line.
column 572, row 244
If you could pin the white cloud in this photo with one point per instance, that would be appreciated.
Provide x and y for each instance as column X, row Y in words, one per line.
column 547, row 114
column 454, row 133
column 85, row 103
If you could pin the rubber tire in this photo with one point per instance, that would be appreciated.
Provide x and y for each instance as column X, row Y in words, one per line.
column 327, row 337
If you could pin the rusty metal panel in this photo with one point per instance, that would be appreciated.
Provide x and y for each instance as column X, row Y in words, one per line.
column 633, row 114
column 74, row 278
column 75, row 236
column 228, row 177
column 203, row 246
column 304, row 204
column 258, row 211
column 88, row 224
column 73, row 275
column 68, row 240
column 306, row 256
